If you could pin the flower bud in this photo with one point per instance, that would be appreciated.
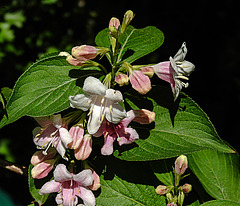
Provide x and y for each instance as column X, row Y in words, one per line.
column 161, row 190
column 186, row 188
column 180, row 198
column 181, row 164
column 128, row 16
column 149, row 71
column 84, row 52
column 39, row 157
column 73, row 61
column 65, row 54
column 42, row 169
column 122, row 79
column 77, row 133
column 114, row 24
column 85, row 148
column 144, row 116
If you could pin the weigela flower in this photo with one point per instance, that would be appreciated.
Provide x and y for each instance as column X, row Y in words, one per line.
column 82, row 143
column 69, row 186
column 53, row 133
column 119, row 132
column 175, row 70
column 102, row 103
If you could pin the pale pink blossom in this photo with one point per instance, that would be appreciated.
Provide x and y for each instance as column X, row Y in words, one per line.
column 69, row 186
column 144, row 116
column 102, row 103
column 175, row 70
column 53, row 133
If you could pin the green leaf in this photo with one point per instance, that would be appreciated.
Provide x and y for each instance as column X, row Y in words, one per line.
column 40, row 199
column 128, row 183
column 139, row 42
column 220, row 203
column 44, row 88
column 180, row 127
column 121, row 192
column 219, row 173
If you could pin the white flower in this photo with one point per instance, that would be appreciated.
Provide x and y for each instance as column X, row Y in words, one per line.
column 101, row 102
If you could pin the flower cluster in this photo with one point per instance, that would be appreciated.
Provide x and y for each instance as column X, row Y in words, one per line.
column 99, row 112
column 175, row 194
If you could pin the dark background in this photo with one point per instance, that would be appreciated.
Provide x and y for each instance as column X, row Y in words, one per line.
column 210, row 29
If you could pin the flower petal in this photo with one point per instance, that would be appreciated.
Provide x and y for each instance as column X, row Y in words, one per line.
column 65, row 136
column 80, row 101
column 84, row 178
column 114, row 95
column 186, row 68
column 181, row 54
column 50, row 187
column 61, row 173
column 129, row 136
column 87, row 196
column 94, row 86
column 107, row 148
column 94, row 120
column 116, row 113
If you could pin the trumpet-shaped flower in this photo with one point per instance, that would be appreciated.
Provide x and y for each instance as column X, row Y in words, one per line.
column 101, row 102
column 175, row 70
column 119, row 132
column 69, row 186
column 53, row 133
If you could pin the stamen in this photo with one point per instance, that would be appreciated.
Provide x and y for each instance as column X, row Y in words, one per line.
column 111, row 109
column 182, row 77
column 105, row 135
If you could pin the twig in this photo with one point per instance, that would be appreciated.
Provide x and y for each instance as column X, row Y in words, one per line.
column 22, row 170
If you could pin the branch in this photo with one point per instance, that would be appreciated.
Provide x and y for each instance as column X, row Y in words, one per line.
column 22, row 170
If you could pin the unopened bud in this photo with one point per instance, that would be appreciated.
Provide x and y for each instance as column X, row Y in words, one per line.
column 128, row 16
column 122, row 79
column 114, row 24
column 161, row 189
column 144, row 116
column 42, row 169
column 84, row 52
column 74, row 61
column 181, row 164
column 180, row 198
column 39, row 157
column 186, row 188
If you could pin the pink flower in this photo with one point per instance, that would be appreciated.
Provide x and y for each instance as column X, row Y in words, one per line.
column 53, row 133
column 175, row 70
column 140, row 82
column 69, row 186
column 82, row 144
column 119, row 132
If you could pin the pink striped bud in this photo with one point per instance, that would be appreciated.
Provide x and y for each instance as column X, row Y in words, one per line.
column 84, row 52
